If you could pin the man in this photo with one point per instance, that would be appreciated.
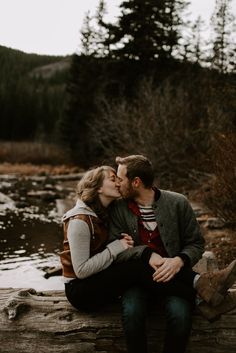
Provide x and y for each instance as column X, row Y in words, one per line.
column 163, row 222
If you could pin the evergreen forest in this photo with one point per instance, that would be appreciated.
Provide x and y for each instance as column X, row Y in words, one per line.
column 148, row 83
column 32, row 89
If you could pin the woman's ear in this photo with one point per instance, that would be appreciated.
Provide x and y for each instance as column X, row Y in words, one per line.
column 99, row 190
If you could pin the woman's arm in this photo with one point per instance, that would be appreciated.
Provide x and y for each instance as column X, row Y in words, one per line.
column 79, row 235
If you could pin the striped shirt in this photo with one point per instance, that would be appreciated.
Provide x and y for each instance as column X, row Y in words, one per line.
column 147, row 226
column 148, row 217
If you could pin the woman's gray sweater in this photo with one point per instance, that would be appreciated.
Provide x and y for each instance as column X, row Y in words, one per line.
column 79, row 237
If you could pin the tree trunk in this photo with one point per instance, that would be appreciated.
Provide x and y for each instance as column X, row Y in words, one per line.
column 45, row 322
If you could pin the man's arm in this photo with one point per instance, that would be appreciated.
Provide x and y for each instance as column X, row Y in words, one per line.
column 117, row 226
column 192, row 240
column 192, row 244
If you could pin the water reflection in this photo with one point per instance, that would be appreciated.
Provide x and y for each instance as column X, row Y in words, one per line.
column 30, row 228
column 28, row 245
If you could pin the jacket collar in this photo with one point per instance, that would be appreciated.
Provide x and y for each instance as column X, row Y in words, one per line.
column 79, row 208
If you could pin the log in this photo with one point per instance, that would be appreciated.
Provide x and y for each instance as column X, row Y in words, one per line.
column 44, row 322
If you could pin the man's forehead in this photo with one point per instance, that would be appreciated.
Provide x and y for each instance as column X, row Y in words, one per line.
column 121, row 170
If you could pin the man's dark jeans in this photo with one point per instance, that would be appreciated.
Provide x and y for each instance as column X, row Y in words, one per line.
column 178, row 321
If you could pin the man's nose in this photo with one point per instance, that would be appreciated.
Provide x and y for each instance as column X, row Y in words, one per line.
column 117, row 182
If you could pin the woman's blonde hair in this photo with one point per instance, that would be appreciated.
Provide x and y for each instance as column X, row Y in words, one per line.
column 87, row 188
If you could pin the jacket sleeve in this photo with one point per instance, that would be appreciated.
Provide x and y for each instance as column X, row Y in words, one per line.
column 118, row 225
column 191, row 237
column 79, row 235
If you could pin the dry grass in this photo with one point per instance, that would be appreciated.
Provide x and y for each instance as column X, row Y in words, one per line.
column 32, row 169
column 34, row 158
column 33, row 152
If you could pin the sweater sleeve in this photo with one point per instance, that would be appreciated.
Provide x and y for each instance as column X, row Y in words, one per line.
column 78, row 234
column 192, row 239
column 118, row 225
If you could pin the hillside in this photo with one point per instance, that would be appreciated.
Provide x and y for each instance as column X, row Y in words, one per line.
column 31, row 93
column 49, row 70
column 16, row 62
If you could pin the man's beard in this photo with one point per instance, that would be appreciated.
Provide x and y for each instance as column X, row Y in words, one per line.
column 129, row 193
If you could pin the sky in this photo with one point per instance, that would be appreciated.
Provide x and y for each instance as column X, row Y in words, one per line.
column 52, row 27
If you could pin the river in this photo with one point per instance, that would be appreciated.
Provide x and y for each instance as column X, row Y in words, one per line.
column 31, row 232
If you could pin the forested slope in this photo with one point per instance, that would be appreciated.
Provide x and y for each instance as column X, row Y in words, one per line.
column 30, row 101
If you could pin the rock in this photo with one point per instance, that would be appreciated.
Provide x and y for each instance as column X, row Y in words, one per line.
column 202, row 218
column 5, row 185
column 53, row 271
column 214, row 223
column 63, row 205
column 21, row 204
column 6, row 202
column 45, row 195
column 198, row 209
column 49, row 187
column 208, row 262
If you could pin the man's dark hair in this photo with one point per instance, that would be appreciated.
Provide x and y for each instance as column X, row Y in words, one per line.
column 138, row 166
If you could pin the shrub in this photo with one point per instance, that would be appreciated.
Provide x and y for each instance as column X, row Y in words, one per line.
column 32, row 152
column 221, row 197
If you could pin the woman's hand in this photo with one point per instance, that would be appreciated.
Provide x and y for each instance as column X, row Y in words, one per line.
column 127, row 241
column 156, row 261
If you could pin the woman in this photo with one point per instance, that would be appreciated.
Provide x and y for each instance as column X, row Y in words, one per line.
column 91, row 277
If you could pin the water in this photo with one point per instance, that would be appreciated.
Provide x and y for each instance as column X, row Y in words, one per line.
column 31, row 235
column 27, row 248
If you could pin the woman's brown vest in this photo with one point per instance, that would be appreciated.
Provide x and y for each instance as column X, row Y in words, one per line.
column 98, row 241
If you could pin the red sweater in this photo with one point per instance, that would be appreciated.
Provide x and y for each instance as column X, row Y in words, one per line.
column 150, row 238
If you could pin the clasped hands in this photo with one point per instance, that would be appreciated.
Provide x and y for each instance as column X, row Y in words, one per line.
column 126, row 241
column 165, row 268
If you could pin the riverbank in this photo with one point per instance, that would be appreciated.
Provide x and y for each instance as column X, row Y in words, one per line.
column 32, row 201
column 37, row 169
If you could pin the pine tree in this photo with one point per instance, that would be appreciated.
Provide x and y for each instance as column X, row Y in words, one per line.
column 224, row 46
column 197, row 41
column 83, row 87
column 175, row 22
column 102, row 33
column 87, row 36
column 192, row 45
column 95, row 33
column 147, row 30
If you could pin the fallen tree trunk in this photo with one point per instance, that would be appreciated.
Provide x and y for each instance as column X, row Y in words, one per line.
column 45, row 322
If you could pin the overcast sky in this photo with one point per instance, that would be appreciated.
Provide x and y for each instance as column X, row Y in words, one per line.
column 52, row 26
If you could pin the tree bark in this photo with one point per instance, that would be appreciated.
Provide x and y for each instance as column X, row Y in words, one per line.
column 44, row 322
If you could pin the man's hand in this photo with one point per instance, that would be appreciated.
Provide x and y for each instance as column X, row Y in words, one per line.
column 156, row 261
column 168, row 269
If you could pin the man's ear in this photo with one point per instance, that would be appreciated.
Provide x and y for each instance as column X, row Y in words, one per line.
column 136, row 182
